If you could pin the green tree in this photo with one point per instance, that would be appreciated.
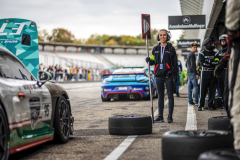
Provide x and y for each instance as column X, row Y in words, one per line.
column 61, row 35
column 42, row 34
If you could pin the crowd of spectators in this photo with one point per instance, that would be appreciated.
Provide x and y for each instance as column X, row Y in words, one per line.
column 70, row 73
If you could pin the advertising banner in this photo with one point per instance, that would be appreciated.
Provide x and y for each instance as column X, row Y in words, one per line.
column 186, row 43
column 187, row 22
column 146, row 28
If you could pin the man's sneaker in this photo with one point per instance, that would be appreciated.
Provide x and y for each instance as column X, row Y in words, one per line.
column 196, row 104
column 159, row 119
column 211, row 108
column 191, row 103
column 205, row 107
column 170, row 119
column 199, row 108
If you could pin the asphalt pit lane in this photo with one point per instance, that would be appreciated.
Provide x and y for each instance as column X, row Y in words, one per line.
column 91, row 132
column 108, row 109
column 94, row 126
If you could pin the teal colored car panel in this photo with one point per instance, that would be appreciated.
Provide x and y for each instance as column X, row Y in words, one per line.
column 20, row 36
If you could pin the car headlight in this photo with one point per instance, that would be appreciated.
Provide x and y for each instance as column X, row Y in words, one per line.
column 105, row 82
column 143, row 81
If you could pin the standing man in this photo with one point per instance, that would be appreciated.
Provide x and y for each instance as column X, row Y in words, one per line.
column 178, row 77
column 208, row 61
column 220, row 55
column 233, row 26
column 192, row 75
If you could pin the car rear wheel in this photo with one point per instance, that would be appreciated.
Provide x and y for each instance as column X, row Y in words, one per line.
column 4, row 135
column 62, row 121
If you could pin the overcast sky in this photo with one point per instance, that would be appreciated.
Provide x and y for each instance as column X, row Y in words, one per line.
column 86, row 17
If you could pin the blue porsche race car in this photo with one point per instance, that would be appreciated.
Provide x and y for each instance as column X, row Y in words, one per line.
column 132, row 83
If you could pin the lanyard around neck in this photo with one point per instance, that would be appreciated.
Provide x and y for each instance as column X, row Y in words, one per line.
column 162, row 52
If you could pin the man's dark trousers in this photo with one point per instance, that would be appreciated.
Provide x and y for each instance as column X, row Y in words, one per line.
column 206, row 83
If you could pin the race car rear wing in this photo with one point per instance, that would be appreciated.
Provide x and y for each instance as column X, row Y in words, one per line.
column 20, row 36
column 113, row 74
column 110, row 74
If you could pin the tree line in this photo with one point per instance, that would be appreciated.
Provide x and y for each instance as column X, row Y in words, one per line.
column 65, row 36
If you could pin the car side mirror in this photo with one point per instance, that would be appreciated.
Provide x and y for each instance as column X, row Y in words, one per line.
column 43, row 77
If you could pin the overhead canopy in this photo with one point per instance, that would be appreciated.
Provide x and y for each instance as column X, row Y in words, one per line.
column 215, row 18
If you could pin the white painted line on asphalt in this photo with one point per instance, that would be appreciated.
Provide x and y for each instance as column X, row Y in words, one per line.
column 191, row 123
column 115, row 154
column 165, row 103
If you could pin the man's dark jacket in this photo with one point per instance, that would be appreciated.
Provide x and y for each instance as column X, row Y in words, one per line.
column 191, row 63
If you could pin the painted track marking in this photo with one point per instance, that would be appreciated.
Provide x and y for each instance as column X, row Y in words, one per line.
column 191, row 123
column 116, row 153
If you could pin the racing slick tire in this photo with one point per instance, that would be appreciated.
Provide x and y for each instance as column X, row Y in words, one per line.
column 4, row 135
column 62, row 121
column 219, row 154
column 105, row 99
column 188, row 145
column 130, row 125
column 219, row 123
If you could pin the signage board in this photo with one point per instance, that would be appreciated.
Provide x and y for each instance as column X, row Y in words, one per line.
column 186, row 43
column 146, row 27
column 187, row 22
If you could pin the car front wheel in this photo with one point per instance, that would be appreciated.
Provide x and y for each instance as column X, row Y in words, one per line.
column 62, row 121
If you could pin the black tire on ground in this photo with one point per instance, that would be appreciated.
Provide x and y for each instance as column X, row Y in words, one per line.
column 219, row 123
column 4, row 135
column 105, row 99
column 62, row 121
column 219, row 154
column 188, row 145
column 130, row 125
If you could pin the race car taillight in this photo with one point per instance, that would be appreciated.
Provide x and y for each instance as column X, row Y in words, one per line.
column 21, row 95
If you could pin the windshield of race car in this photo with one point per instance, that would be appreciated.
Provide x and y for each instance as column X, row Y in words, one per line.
column 10, row 67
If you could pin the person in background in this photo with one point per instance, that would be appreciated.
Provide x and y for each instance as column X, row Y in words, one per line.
column 220, row 78
column 76, row 76
column 80, row 71
column 178, row 77
column 192, row 75
column 41, row 67
column 208, row 60
column 166, row 69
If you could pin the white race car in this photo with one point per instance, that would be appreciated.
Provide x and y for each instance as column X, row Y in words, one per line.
column 31, row 112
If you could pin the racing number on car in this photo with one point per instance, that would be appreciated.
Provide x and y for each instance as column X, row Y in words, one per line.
column 19, row 29
column 46, row 110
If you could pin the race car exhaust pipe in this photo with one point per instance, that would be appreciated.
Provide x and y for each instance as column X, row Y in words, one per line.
column 131, row 96
column 115, row 96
